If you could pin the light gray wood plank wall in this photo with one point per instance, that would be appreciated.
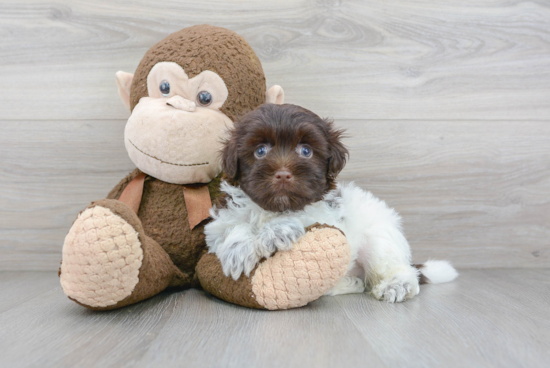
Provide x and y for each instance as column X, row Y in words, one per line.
column 393, row 59
column 447, row 108
column 478, row 202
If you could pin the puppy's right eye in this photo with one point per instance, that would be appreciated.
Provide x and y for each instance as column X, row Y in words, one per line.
column 261, row 151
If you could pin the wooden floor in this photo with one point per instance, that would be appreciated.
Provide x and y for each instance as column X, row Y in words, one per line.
column 486, row 318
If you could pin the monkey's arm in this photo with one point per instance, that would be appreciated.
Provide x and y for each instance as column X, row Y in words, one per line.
column 119, row 188
column 240, row 239
column 286, row 280
column 239, row 248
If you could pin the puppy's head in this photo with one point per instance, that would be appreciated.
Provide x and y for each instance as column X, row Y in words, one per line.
column 283, row 156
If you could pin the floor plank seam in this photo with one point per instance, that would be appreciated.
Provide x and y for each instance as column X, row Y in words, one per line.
column 355, row 326
column 27, row 299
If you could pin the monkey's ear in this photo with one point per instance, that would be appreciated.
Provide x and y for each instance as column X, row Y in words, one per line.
column 124, row 82
column 230, row 159
column 338, row 152
column 275, row 95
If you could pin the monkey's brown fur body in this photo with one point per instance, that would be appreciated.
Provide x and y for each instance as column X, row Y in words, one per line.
column 142, row 239
column 164, row 218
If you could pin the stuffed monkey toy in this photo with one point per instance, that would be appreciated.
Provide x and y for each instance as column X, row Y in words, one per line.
column 147, row 235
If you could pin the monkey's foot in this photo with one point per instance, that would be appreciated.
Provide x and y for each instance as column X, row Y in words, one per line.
column 101, row 258
column 296, row 277
column 108, row 262
column 289, row 279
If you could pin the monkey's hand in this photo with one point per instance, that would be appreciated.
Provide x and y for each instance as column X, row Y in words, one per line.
column 287, row 279
column 279, row 234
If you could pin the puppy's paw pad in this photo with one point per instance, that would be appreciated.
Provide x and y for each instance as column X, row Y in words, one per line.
column 391, row 293
column 396, row 290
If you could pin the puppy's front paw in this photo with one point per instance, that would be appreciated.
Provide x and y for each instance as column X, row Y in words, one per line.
column 398, row 288
column 237, row 253
column 280, row 234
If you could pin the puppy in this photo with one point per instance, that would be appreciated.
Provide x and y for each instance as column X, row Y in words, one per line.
column 280, row 164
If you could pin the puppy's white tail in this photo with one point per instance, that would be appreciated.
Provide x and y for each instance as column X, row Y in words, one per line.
column 436, row 272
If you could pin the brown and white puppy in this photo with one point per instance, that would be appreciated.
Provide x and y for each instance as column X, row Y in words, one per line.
column 280, row 163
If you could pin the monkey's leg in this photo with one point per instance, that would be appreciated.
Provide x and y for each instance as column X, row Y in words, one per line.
column 109, row 262
column 288, row 279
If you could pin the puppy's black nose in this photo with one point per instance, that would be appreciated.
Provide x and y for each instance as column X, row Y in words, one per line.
column 283, row 176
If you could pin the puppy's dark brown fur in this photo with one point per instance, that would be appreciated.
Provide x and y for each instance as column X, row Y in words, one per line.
column 283, row 130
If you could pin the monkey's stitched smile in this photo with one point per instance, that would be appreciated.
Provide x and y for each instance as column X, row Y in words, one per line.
column 166, row 162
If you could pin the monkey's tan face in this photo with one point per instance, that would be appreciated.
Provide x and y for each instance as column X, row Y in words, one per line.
column 175, row 133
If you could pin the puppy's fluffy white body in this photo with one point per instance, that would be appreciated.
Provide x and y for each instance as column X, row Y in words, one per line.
column 243, row 233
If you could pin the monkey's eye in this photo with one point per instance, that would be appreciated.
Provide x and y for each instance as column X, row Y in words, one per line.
column 304, row 151
column 261, row 151
column 164, row 88
column 204, row 98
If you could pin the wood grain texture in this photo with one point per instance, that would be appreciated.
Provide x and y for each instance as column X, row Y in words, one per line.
column 50, row 172
column 462, row 324
column 486, row 318
column 18, row 287
column 393, row 59
column 467, row 165
column 475, row 193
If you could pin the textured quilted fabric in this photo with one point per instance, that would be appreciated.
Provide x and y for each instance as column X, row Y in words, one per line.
column 293, row 278
column 101, row 258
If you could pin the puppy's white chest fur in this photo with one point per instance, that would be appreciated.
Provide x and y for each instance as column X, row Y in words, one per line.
column 243, row 233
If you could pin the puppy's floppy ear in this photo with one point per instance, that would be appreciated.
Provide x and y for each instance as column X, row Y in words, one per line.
column 230, row 158
column 338, row 152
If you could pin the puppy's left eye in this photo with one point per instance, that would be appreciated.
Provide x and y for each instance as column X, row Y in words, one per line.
column 261, row 151
column 304, row 151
